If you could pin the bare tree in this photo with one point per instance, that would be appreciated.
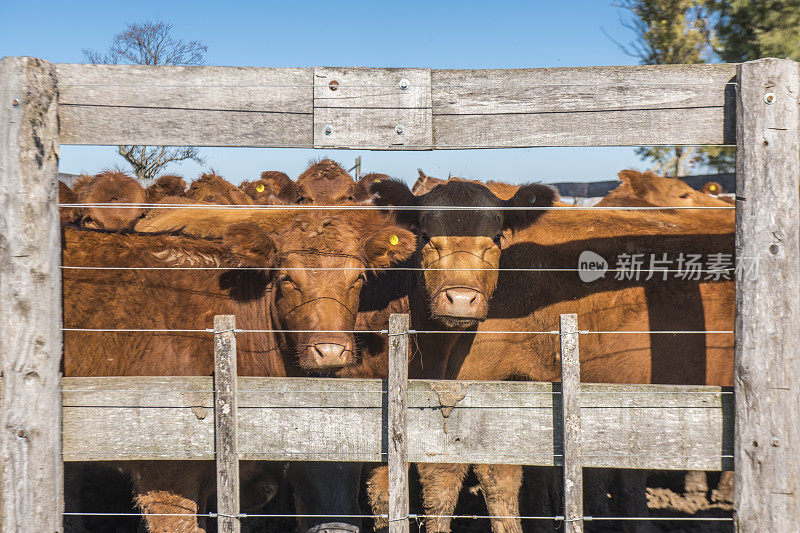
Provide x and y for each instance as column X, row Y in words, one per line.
column 151, row 43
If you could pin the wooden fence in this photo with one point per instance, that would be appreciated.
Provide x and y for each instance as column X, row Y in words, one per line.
column 753, row 105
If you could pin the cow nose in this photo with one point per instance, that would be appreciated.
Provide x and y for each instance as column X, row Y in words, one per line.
column 327, row 354
column 462, row 302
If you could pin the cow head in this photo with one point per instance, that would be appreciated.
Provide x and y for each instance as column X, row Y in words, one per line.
column 670, row 192
column 166, row 185
column 459, row 250
column 110, row 187
column 214, row 189
column 317, row 265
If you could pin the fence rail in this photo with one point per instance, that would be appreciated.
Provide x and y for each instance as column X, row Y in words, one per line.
column 368, row 108
column 623, row 426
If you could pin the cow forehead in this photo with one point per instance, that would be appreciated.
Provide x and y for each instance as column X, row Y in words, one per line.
column 478, row 223
column 483, row 221
column 307, row 260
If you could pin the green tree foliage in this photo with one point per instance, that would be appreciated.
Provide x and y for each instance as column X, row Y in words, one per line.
column 151, row 43
column 698, row 31
column 749, row 29
column 667, row 32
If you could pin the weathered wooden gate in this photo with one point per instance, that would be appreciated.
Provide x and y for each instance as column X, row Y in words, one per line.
column 753, row 105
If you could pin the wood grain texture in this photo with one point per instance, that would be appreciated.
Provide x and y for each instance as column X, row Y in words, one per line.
column 440, row 109
column 368, row 109
column 197, row 106
column 398, row 407
column 584, row 106
column 571, row 420
column 767, row 377
column 30, row 297
column 226, row 432
column 623, row 426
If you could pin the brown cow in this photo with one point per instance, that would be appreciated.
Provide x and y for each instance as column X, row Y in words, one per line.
column 458, row 301
column 67, row 196
column 649, row 189
column 425, row 183
column 214, row 189
column 278, row 297
column 110, row 187
column 267, row 190
column 166, row 185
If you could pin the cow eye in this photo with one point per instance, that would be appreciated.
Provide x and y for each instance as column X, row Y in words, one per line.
column 286, row 280
column 685, row 195
column 498, row 239
column 351, row 198
column 425, row 237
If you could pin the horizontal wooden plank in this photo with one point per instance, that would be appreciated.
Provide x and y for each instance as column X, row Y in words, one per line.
column 440, row 109
column 584, row 106
column 200, row 106
column 624, row 426
column 372, row 108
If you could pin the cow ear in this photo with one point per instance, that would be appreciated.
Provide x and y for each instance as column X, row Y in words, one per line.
column 284, row 189
column 394, row 192
column 424, row 183
column 533, row 195
column 361, row 192
column 249, row 245
column 389, row 245
column 636, row 181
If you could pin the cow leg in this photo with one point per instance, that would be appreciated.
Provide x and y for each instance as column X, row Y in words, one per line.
column 695, row 482
column 724, row 491
column 500, row 485
column 596, row 489
column 631, row 500
column 169, row 488
column 378, row 495
column 323, row 488
column 441, row 484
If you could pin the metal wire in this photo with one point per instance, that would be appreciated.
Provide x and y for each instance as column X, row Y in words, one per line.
column 305, row 207
column 412, row 516
column 393, row 85
column 416, row 269
column 410, row 331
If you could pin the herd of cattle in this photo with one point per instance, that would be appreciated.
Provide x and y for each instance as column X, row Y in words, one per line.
column 305, row 277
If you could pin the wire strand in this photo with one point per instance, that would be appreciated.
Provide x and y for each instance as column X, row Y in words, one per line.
column 305, row 207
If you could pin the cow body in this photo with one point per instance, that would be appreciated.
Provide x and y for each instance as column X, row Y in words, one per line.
column 532, row 301
column 282, row 296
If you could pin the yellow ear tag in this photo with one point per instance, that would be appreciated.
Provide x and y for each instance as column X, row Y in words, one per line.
column 394, row 240
column 712, row 188
column 260, row 187
column 377, row 180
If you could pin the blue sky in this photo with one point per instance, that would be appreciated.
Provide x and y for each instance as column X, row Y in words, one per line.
column 464, row 34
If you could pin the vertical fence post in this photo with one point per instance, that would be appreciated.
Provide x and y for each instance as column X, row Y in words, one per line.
column 30, row 298
column 226, row 436
column 571, row 419
column 398, row 442
column 767, row 378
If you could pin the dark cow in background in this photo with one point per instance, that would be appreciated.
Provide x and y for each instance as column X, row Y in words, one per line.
column 458, row 300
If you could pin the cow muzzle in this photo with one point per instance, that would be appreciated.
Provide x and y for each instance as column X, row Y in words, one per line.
column 327, row 354
column 461, row 306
